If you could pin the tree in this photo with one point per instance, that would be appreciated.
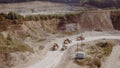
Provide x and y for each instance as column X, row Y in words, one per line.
column 13, row 16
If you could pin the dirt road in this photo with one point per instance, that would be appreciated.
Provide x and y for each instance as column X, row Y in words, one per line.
column 53, row 57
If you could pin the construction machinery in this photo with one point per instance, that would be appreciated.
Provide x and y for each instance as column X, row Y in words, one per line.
column 55, row 47
column 66, row 41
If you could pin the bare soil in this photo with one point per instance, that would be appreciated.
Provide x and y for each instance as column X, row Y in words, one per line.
column 37, row 7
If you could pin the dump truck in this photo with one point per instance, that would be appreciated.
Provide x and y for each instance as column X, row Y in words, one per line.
column 55, row 47
column 63, row 48
column 66, row 41
column 80, row 38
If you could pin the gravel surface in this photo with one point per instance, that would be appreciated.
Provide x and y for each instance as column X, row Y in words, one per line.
column 53, row 58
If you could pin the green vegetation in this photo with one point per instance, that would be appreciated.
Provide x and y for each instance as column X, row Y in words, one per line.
column 12, row 16
column 81, row 62
column 41, row 47
column 101, row 49
column 105, row 47
column 98, row 51
column 15, row 18
column 91, row 63
column 41, row 39
column 7, row 46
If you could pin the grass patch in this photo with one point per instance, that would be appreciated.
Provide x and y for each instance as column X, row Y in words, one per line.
column 10, row 45
column 7, row 46
column 105, row 47
column 91, row 63
column 41, row 39
column 41, row 47
column 80, row 62
column 70, row 33
column 97, row 62
column 83, row 44
column 96, row 53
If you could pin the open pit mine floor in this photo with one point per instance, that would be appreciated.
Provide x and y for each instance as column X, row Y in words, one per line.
column 53, row 58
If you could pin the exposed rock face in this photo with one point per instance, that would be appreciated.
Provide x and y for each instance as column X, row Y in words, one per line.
column 96, row 20
column 115, row 16
column 35, row 30
column 89, row 20
column 93, row 20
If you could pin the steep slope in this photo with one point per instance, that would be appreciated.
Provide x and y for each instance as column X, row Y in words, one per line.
column 22, row 35
column 86, row 20
column 91, row 20
column 96, row 20
column 115, row 16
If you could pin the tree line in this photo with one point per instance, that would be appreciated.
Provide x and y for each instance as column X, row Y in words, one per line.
column 16, row 18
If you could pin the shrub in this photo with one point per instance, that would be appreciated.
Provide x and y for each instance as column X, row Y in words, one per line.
column 13, row 16
column 80, row 62
column 100, row 50
column 41, row 39
column 97, row 62
column 9, row 45
column 16, row 22
column 98, row 29
column 41, row 47
column 106, row 47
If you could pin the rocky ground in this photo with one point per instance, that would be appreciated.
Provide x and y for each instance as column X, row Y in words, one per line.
column 40, row 35
column 58, row 59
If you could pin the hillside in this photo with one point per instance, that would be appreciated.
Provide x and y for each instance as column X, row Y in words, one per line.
column 96, row 3
column 104, row 3
column 29, row 29
column 87, row 20
column 32, row 33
